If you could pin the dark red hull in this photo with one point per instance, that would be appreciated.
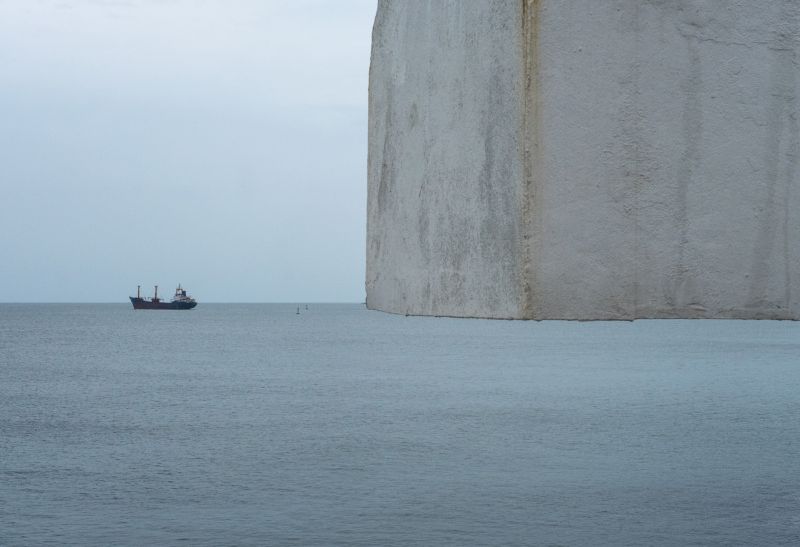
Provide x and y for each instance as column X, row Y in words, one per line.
column 142, row 304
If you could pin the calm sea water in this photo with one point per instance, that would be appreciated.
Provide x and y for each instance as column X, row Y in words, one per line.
column 251, row 425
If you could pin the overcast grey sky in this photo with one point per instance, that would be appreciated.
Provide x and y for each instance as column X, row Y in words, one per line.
column 216, row 143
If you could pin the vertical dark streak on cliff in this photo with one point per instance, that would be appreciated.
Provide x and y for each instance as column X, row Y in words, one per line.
column 792, row 19
column 689, row 170
column 766, row 213
column 637, row 166
column 791, row 177
column 530, row 216
column 384, row 183
column 634, row 172
column 780, row 158
column 488, row 182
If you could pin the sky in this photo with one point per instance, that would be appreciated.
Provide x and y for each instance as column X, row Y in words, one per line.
column 220, row 144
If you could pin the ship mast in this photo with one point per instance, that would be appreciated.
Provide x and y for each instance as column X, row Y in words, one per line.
column 155, row 297
column 138, row 291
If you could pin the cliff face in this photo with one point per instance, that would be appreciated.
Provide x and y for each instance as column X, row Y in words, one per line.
column 585, row 160
column 444, row 158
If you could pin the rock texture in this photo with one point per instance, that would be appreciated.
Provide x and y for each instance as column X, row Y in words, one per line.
column 585, row 160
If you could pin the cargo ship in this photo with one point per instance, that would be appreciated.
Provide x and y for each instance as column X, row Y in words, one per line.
column 181, row 301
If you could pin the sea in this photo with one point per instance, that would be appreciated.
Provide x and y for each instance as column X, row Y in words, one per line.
column 251, row 424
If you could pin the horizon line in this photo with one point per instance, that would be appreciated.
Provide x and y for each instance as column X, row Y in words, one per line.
column 292, row 302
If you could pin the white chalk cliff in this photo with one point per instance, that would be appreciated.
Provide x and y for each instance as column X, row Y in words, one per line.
column 590, row 159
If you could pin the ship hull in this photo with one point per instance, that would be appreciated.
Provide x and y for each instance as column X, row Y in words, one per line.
column 142, row 304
